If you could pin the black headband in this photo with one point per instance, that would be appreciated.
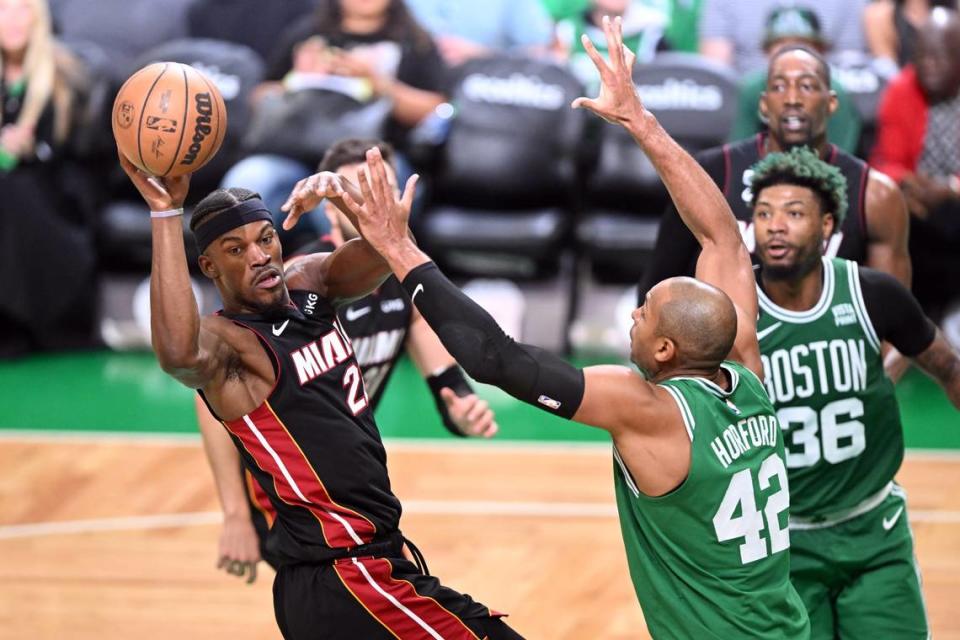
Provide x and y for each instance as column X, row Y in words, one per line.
column 236, row 216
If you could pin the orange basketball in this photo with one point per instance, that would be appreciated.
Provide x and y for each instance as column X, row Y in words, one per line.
column 169, row 119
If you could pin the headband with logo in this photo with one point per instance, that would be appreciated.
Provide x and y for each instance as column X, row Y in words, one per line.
column 236, row 216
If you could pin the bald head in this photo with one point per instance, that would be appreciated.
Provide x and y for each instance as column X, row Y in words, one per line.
column 937, row 57
column 699, row 318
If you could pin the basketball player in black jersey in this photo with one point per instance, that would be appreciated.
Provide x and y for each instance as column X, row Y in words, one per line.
column 379, row 326
column 276, row 368
column 796, row 105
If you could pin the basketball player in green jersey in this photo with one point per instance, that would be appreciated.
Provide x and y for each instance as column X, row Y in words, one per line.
column 821, row 324
column 699, row 470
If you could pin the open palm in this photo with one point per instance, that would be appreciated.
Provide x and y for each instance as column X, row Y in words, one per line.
column 618, row 101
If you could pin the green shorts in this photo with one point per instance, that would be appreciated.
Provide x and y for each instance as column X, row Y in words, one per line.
column 859, row 578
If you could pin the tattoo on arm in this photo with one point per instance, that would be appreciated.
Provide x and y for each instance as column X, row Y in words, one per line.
column 942, row 362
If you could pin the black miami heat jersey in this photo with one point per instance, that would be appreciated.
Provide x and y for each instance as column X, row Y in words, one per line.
column 313, row 446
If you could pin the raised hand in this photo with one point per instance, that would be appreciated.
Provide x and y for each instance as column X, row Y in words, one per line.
column 382, row 218
column 308, row 193
column 160, row 194
column 618, row 101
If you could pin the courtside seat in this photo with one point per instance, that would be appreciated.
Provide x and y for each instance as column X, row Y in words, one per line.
column 695, row 101
column 505, row 184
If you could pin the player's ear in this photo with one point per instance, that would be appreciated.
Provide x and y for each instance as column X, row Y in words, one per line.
column 833, row 103
column 763, row 112
column 666, row 350
column 207, row 267
column 829, row 223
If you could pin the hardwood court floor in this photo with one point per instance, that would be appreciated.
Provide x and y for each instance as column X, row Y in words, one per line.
column 116, row 538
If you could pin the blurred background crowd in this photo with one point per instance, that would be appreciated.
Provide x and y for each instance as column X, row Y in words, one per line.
column 472, row 95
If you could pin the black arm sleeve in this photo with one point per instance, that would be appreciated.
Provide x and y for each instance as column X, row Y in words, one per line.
column 895, row 313
column 486, row 353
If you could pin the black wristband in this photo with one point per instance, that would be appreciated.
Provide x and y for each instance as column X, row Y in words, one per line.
column 451, row 378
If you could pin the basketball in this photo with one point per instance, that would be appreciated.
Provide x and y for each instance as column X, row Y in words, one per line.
column 169, row 119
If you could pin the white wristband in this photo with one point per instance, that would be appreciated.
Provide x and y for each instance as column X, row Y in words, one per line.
column 167, row 214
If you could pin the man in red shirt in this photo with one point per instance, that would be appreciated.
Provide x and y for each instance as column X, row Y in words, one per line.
column 918, row 145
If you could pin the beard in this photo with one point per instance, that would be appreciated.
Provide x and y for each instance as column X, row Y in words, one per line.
column 273, row 309
column 805, row 263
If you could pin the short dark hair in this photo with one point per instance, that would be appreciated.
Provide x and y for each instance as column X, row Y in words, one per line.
column 354, row 151
column 216, row 202
column 800, row 166
column 824, row 65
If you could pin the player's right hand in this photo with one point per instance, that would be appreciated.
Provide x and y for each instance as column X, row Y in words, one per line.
column 160, row 194
column 618, row 101
column 239, row 548
column 308, row 193
column 382, row 215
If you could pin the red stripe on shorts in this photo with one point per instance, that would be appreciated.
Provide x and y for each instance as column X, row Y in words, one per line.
column 396, row 604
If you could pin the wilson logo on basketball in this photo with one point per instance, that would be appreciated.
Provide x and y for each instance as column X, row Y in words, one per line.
column 202, row 129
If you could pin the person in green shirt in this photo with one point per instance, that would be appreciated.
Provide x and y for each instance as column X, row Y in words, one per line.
column 563, row 9
column 790, row 26
column 683, row 32
column 644, row 25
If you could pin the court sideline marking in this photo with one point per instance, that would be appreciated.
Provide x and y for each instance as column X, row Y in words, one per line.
column 477, row 508
column 416, row 445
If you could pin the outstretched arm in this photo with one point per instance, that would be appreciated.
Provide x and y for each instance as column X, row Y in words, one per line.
column 612, row 398
column 186, row 349
column 724, row 261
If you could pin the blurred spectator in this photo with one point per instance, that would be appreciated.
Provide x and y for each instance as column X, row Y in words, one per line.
column 563, row 9
column 122, row 28
column 918, row 145
column 683, row 33
column 253, row 23
column 644, row 24
column 46, row 246
column 353, row 52
column 732, row 32
column 787, row 26
column 890, row 28
column 465, row 29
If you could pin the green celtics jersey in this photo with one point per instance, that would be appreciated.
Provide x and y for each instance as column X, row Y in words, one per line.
column 837, row 408
column 709, row 559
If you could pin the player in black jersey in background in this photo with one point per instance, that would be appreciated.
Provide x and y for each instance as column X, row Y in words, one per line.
column 379, row 326
column 796, row 105
column 276, row 368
